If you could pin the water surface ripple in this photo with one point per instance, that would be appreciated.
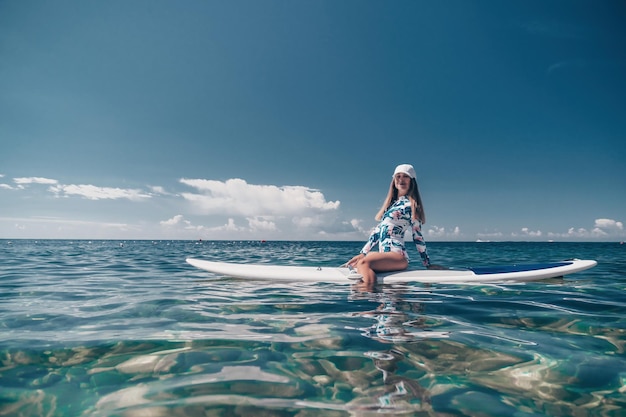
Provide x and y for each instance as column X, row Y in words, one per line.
column 112, row 328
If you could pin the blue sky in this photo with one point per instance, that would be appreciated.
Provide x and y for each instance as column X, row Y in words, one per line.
column 152, row 119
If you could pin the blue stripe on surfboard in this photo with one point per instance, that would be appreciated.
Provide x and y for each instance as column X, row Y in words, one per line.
column 486, row 270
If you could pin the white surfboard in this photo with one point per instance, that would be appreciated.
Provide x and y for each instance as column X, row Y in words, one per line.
column 486, row 274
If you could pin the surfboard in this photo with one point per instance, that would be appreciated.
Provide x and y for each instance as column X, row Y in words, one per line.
column 484, row 274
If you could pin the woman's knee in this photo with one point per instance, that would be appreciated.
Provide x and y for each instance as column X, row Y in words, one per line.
column 363, row 263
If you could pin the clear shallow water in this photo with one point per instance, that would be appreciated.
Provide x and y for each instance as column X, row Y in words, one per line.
column 110, row 328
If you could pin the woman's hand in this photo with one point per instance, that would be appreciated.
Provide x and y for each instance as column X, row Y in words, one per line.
column 355, row 259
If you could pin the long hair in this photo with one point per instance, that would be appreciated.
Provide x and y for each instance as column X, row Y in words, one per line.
column 417, row 208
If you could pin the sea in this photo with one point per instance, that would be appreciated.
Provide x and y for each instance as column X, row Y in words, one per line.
column 128, row 328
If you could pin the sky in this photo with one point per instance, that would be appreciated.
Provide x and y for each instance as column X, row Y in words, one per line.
column 284, row 120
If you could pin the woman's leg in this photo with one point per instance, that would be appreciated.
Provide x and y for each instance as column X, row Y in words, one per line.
column 380, row 262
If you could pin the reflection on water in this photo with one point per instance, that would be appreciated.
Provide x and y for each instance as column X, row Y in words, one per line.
column 148, row 336
column 393, row 323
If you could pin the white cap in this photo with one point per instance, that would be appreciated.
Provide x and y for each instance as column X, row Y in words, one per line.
column 406, row 169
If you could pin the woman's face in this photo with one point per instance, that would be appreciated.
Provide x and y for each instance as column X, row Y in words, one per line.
column 402, row 182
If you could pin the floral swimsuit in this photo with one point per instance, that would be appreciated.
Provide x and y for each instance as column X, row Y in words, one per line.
column 389, row 233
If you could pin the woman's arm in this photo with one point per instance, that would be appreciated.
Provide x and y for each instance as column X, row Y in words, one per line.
column 372, row 240
column 420, row 244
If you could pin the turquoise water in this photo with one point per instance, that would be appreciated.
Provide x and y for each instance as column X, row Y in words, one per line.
column 110, row 328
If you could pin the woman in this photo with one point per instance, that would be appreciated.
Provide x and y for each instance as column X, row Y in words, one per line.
column 401, row 211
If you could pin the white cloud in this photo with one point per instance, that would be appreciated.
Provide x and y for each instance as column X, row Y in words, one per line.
column 299, row 213
column 526, row 232
column 225, row 230
column 92, row 192
column 178, row 219
column 602, row 229
column 357, row 225
column 597, row 232
column 488, row 236
column 261, row 224
column 157, row 189
column 178, row 224
column 34, row 180
column 230, row 226
column 608, row 224
column 572, row 232
column 308, row 221
column 237, row 197
column 438, row 232
column 254, row 224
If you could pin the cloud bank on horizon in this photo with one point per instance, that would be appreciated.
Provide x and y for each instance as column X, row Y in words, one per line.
column 231, row 209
